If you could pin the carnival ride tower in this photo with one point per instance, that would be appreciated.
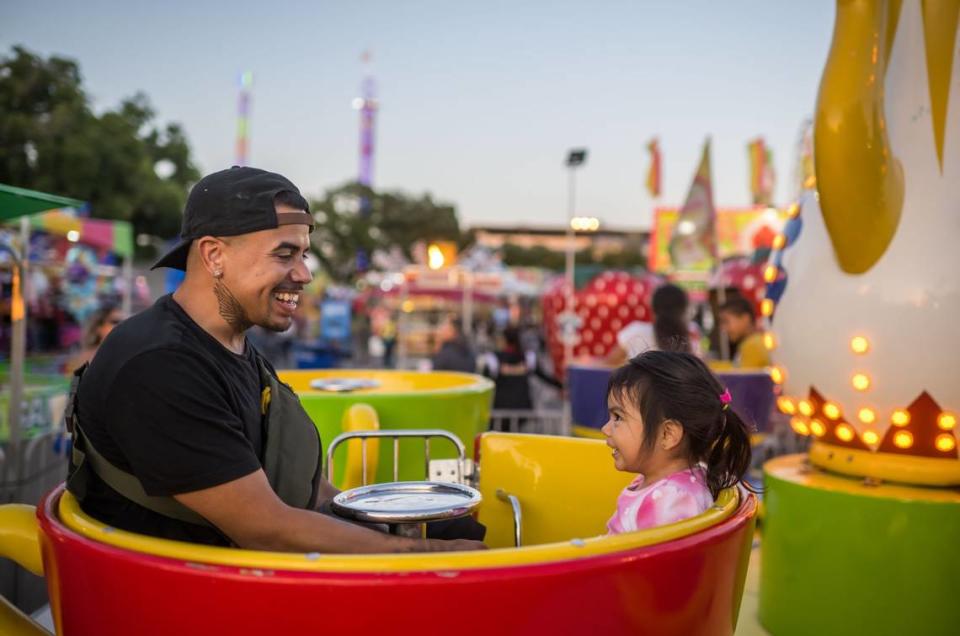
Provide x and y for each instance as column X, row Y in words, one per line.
column 367, row 105
column 243, row 118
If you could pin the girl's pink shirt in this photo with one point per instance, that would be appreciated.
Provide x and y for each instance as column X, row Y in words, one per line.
column 679, row 496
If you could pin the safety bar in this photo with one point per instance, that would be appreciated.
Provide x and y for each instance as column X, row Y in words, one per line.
column 506, row 497
column 425, row 433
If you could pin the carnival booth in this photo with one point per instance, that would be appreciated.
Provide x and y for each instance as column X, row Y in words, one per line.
column 860, row 534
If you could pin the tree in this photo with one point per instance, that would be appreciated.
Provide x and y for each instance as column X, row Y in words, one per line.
column 51, row 140
column 354, row 218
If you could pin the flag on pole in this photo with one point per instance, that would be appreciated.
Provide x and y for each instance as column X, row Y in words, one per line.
column 762, row 178
column 693, row 243
column 654, row 174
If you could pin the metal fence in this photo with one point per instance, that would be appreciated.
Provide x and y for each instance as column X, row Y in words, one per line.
column 42, row 466
column 539, row 421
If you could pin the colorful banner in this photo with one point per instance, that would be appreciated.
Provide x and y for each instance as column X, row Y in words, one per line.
column 113, row 236
column 762, row 177
column 654, row 173
column 693, row 244
column 739, row 231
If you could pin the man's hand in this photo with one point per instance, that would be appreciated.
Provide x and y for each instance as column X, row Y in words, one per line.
column 454, row 545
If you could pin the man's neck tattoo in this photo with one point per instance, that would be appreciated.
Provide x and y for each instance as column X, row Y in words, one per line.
column 230, row 308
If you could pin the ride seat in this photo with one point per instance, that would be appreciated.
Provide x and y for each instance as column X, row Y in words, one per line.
column 567, row 487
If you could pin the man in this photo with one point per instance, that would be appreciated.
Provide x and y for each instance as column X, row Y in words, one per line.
column 454, row 353
column 181, row 416
column 738, row 321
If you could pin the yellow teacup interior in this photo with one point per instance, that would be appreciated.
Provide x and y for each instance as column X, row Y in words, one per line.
column 388, row 381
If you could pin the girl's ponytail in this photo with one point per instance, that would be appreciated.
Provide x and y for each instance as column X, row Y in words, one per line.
column 729, row 457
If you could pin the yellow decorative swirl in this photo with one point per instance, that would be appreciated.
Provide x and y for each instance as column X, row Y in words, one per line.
column 859, row 181
column 940, row 20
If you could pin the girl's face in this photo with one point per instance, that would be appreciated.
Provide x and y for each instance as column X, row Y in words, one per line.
column 624, row 433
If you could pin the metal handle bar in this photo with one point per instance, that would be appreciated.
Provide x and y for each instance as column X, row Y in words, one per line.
column 425, row 433
column 506, row 497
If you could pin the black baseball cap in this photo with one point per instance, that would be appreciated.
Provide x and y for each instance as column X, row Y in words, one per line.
column 235, row 201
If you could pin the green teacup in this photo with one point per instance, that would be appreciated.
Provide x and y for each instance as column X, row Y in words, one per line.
column 455, row 402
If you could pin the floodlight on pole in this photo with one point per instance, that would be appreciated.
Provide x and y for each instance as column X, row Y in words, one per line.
column 576, row 157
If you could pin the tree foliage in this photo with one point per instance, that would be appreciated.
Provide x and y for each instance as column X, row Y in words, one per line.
column 355, row 219
column 51, row 140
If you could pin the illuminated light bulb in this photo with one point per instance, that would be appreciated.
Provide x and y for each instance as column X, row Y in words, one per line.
column 779, row 241
column 786, row 405
column 766, row 307
column 900, row 417
column 903, row 439
column 867, row 415
column 859, row 344
column 947, row 421
column 799, row 425
column 778, row 375
column 794, row 210
column 435, row 258
column 861, row 381
column 871, row 437
column 769, row 341
column 817, row 428
column 831, row 410
column 805, row 408
column 845, row 432
column 945, row 442
column 770, row 273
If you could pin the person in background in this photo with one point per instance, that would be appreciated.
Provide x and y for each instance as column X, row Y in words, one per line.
column 738, row 321
column 510, row 368
column 455, row 353
column 388, row 333
column 669, row 331
column 100, row 324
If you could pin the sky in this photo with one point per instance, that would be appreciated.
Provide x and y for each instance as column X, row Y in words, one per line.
column 479, row 102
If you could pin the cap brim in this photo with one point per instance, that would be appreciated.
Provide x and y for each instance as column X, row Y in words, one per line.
column 175, row 258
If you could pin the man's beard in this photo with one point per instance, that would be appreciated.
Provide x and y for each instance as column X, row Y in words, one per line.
column 230, row 308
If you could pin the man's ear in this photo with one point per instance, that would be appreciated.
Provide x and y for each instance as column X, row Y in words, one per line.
column 210, row 250
column 671, row 434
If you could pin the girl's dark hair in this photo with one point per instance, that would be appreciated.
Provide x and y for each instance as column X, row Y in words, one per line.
column 672, row 385
column 670, row 328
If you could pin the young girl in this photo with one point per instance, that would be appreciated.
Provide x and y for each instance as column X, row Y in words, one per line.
column 671, row 422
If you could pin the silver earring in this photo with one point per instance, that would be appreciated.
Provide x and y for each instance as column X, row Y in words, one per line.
column 218, row 274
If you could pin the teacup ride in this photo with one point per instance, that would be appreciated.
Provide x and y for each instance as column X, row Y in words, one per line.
column 340, row 400
column 544, row 501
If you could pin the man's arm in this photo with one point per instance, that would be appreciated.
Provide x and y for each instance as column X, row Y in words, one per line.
column 252, row 516
column 325, row 492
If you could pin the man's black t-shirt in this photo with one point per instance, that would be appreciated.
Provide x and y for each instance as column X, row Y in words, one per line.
column 165, row 401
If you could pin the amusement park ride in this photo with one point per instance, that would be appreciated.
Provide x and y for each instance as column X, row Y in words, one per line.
column 858, row 536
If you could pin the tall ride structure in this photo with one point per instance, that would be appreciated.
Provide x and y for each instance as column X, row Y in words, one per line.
column 367, row 105
column 243, row 118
